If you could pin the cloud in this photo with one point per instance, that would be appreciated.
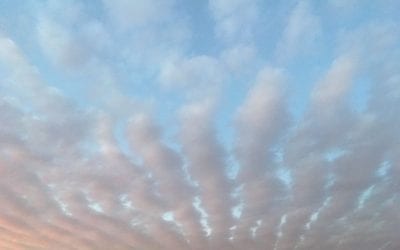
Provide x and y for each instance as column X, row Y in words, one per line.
column 261, row 119
column 305, row 152
column 60, row 45
column 302, row 30
column 147, row 31
column 239, row 57
column 197, row 72
column 234, row 20
column 139, row 13
column 115, row 171
column 206, row 166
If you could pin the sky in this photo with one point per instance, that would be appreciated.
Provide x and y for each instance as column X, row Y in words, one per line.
column 203, row 124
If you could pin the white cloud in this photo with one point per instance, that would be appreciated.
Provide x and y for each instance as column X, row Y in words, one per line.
column 60, row 45
column 239, row 58
column 261, row 119
column 195, row 77
column 129, row 14
column 234, row 20
column 302, row 30
column 206, row 165
column 336, row 84
column 198, row 71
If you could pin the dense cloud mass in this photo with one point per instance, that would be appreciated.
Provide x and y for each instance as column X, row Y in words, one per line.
column 163, row 124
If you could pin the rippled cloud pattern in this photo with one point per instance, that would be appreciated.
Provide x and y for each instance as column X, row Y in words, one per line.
column 219, row 124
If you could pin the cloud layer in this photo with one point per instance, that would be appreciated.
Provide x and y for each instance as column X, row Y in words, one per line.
column 119, row 130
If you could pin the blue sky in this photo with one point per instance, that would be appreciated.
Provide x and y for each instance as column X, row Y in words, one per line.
column 219, row 124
